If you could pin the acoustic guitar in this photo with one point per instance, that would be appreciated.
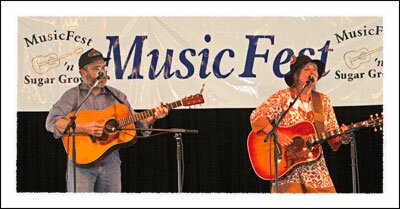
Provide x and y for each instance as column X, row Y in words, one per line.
column 42, row 64
column 90, row 150
column 354, row 59
column 305, row 146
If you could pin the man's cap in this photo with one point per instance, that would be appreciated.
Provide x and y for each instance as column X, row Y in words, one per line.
column 90, row 56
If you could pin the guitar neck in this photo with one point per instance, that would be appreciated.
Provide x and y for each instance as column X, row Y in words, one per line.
column 370, row 52
column 375, row 50
column 319, row 138
column 146, row 114
column 366, row 54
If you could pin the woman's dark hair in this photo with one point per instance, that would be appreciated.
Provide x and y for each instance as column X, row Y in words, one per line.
column 296, row 73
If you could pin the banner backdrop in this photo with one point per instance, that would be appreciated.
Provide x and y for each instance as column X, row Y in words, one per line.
column 240, row 60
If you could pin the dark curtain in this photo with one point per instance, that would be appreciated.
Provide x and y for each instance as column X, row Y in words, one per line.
column 215, row 159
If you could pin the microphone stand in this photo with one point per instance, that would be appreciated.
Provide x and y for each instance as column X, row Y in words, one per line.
column 273, row 133
column 72, row 125
column 354, row 165
column 179, row 147
column 179, row 157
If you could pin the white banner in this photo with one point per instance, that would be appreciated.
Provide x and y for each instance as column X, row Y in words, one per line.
column 241, row 60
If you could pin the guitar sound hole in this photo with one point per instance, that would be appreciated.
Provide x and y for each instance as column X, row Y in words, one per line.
column 111, row 126
column 297, row 144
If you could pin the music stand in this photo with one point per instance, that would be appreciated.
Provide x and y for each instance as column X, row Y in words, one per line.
column 179, row 147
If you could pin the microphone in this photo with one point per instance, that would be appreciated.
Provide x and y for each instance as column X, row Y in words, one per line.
column 311, row 79
column 100, row 74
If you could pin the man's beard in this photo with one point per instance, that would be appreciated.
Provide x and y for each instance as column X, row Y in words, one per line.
column 101, row 85
column 92, row 81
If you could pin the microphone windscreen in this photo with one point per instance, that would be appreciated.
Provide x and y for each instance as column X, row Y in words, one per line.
column 100, row 74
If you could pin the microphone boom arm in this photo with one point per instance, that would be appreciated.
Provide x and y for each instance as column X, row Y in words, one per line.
column 171, row 130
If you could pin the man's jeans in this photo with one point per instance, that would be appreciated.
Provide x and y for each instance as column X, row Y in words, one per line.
column 103, row 177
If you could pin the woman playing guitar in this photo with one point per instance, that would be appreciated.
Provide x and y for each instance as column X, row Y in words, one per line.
column 301, row 170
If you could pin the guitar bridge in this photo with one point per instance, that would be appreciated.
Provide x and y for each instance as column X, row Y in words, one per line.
column 92, row 138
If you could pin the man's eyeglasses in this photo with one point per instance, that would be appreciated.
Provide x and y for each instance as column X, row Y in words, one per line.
column 100, row 68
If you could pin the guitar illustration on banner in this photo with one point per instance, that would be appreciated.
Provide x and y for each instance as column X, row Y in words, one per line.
column 42, row 64
column 306, row 146
column 354, row 59
column 90, row 149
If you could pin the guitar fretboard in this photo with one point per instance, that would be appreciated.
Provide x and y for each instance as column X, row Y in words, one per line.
column 366, row 54
column 319, row 138
column 145, row 114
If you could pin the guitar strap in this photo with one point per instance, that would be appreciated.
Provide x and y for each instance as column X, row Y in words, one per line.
column 318, row 115
column 118, row 99
column 106, row 88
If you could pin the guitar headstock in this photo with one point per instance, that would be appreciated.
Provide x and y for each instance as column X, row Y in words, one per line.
column 78, row 50
column 193, row 100
column 376, row 121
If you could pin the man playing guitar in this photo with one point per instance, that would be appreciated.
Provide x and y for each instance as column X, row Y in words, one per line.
column 105, row 175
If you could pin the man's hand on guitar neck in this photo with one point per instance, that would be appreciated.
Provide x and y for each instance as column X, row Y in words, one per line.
column 160, row 112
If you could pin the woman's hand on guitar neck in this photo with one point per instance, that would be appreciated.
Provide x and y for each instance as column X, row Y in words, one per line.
column 346, row 138
column 339, row 140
